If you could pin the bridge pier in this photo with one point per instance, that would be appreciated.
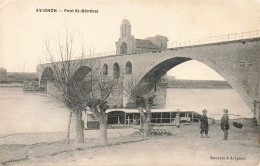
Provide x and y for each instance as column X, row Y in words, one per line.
column 43, row 86
column 160, row 92
column 159, row 102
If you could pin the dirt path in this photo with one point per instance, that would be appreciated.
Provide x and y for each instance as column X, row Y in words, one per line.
column 185, row 147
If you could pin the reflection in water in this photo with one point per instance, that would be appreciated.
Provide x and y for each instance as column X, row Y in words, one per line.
column 35, row 112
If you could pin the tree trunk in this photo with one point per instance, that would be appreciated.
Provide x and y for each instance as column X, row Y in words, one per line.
column 103, row 133
column 145, row 121
column 141, row 123
column 142, row 117
column 79, row 128
column 147, row 126
column 68, row 130
column 102, row 119
column 85, row 119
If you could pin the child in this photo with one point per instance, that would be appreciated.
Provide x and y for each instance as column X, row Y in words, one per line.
column 204, row 126
column 225, row 124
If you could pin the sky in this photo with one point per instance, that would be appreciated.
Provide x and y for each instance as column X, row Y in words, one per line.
column 23, row 31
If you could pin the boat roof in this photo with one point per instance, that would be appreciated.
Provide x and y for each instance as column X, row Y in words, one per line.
column 135, row 110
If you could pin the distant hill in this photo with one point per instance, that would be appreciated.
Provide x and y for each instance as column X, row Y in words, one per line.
column 197, row 84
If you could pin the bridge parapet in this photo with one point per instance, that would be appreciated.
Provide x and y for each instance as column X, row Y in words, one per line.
column 216, row 39
column 196, row 42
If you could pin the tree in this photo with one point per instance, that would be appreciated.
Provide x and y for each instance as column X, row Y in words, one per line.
column 102, row 88
column 62, row 75
column 144, row 105
column 3, row 71
column 3, row 75
column 143, row 102
column 80, row 85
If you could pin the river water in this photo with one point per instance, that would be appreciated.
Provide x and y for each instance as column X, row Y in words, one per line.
column 30, row 112
column 36, row 112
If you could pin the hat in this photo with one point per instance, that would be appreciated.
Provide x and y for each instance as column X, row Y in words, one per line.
column 204, row 111
column 225, row 110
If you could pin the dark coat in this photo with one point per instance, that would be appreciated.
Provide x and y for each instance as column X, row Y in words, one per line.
column 204, row 125
column 224, row 122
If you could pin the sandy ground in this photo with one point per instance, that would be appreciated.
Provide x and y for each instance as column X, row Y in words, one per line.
column 127, row 147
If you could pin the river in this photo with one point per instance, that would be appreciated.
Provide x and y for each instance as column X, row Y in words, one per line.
column 36, row 112
column 214, row 100
column 30, row 112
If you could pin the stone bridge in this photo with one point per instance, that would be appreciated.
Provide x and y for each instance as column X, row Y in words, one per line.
column 238, row 62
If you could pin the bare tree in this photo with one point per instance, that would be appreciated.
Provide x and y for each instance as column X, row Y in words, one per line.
column 102, row 89
column 64, row 78
column 80, row 86
column 143, row 102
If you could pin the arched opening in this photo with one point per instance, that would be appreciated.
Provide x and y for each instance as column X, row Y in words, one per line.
column 47, row 75
column 194, row 95
column 80, row 81
column 146, row 84
column 123, row 48
column 116, row 71
column 81, row 73
column 105, row 69
column 128, row 68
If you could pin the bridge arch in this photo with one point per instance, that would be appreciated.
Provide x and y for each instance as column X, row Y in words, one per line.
column 81, row 73
column 128, row 68
column 150, row 78
column 46, row 76
column 116, row 71
column 154, row 73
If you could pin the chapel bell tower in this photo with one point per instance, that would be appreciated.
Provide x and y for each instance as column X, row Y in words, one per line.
column 126, row 42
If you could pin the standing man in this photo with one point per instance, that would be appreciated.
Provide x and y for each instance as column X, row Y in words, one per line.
column 225, row 124
column 204, row 125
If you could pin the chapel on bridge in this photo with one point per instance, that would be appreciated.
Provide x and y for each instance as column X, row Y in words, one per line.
column 128, row 44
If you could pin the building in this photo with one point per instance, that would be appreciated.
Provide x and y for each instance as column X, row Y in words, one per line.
column 128, row 44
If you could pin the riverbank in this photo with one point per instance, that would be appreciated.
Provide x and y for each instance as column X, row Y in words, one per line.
column 9, row 85
column 15, row 148
column 127, row 147
column 197, row 84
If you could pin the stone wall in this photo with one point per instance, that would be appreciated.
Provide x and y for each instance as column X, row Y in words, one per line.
column 159, row 41
column 115, row 100
column 30, row 85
